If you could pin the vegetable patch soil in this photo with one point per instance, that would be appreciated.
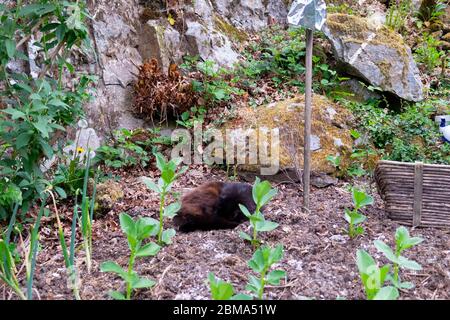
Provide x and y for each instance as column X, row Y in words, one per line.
column 319, row 257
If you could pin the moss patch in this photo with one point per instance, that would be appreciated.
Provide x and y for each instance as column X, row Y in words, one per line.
column 288, row 117
column 229, row 30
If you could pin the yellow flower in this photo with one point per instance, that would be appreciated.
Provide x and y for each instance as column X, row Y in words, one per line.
column 80, row 150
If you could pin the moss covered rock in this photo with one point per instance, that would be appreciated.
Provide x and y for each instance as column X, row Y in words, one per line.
column 108, row 193
column 330, row 132
column 375, row 54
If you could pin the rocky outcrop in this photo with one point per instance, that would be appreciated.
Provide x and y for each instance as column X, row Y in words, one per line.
column 208, row 28
column 375, row 54
column 126, row 33
column 330, row 132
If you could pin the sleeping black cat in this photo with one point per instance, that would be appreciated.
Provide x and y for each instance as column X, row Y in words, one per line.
column 214, row 205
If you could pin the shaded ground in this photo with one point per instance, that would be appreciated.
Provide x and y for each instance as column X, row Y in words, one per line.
column 319, row 258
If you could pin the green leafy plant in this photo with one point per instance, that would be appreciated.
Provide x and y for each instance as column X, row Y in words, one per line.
column 188, row 118
column 221, row 290
column 261, row 262
column 374, row 277
column 131, row 148
column 262, row 193
column 428, row 52
column 397, row 14
column 334, row 160
column 169, row 174
column 409, row 134
column 136, row 232
column 35, row 109
column 432, row 10
column 354, row 217
column 402, row 242
column 212, row 83
column 69, row 178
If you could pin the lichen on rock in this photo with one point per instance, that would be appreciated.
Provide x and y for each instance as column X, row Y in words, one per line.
column 330, row 129
column 376, row 54
column 108, row 193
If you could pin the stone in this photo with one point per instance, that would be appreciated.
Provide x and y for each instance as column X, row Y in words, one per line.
column 218, row 47
column 377, row 55
column 330, row 134
column 108, row 193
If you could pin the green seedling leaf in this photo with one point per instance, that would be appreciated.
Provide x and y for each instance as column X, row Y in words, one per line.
column 387, row 293
column 361, row 199
column 245, row 211
column 245, row 236
column 264, row 226
column 274, row 276
column 151, row 185
column 254, row 284
column 146, row 227
column 241, row 296
column 167, row 236
column 408, row 264
column 10, row 48
column 404, row 241
column 386, row 250
column 150, row 249
column 220, row 290
column 143, row 283
column 160, row 162
column 406, row 285
column 127, row 225
column 111, row 266
column 171, row 210
column 117, row 295
column 276, row 254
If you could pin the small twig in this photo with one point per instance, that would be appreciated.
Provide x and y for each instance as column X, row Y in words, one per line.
column 27, row 37
column 51, row 58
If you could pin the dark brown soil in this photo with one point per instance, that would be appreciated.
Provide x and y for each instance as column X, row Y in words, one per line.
column 319, row 257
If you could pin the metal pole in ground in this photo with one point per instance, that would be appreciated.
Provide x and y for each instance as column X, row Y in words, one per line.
column 308, row 108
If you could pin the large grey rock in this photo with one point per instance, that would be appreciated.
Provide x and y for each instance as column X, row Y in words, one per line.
column 251, row 15
column 375, row 54
column 116, row 38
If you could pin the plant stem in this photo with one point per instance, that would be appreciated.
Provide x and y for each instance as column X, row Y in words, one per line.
column 263, row 282
column 130, row 272
column 88, row 254
column 161, row 215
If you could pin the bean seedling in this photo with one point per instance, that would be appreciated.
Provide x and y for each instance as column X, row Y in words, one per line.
column 373, row 278
column 168, row 176
column 261, row 261
column 262, row 193
column 136, row 232
column 221, row 290
column 402, row 242
column 353, row 217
